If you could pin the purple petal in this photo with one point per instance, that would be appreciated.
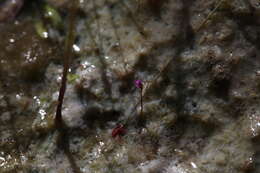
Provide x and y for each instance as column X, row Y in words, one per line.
column 138, row 83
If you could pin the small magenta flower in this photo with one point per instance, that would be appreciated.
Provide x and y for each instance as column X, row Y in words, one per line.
column 139, row 84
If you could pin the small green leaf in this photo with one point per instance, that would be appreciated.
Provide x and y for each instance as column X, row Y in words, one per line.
column 72, row 78
column 41, row 30
column 53, row 15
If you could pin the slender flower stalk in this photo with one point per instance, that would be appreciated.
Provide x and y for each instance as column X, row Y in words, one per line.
column 139, row 84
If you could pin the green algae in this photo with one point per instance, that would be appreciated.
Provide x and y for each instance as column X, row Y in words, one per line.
column 52, row 14
column 41, row 30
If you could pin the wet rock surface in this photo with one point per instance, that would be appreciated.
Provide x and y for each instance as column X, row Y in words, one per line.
column 200, row 67
column 24, row 54
column 9, row 9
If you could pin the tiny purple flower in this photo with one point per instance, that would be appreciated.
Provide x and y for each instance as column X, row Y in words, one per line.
column 139, row 84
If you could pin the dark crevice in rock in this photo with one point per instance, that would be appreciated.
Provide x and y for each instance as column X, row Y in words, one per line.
column 220, row 87
column 95, row 117
column 185, row 40
column 126, row 83
column 104, row 76
column 248, row 25
column 84, row 94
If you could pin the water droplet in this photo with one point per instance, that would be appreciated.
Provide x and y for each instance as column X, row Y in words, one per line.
column 193, row 165
column 76, row 48
column 42, row 113
column 11, row 40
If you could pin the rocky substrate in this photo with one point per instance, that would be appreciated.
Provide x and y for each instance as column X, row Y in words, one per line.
column 200, row 67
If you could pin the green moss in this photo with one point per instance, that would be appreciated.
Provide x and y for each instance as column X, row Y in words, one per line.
column 41, row 30
column 54, row 16
column 72, row 77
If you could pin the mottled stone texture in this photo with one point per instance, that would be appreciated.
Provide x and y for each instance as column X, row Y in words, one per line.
column 199, row 64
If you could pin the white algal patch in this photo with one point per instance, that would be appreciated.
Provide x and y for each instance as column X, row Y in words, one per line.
column 73, row 109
